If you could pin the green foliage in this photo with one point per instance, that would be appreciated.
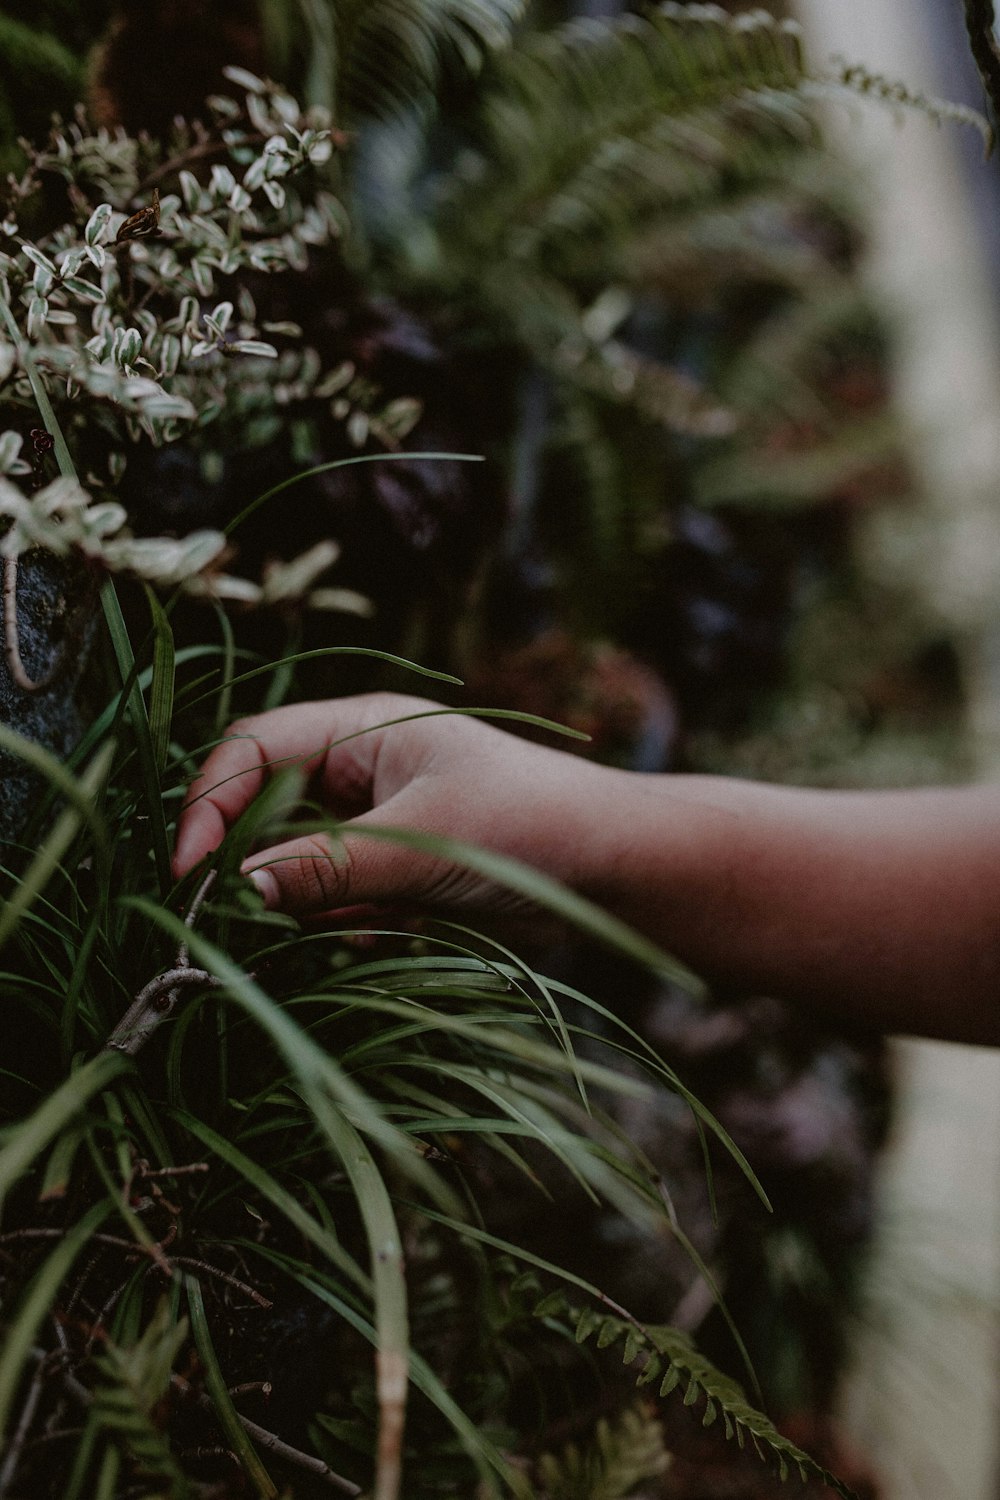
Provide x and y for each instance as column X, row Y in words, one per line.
column 668, row 1359
column 607, row 193
column 387, row 55
column 300, row 1111
column 621, row 1456
column 130, row 1383
column 305, row 1162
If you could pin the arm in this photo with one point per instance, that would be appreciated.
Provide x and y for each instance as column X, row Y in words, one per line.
column 881, row 908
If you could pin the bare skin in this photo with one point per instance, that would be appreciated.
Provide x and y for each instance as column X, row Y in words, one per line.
column 878, row 908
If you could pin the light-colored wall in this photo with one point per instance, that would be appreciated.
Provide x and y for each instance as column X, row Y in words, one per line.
column 924, row 1401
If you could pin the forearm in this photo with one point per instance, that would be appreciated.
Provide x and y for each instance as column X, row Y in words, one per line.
column 881, row 908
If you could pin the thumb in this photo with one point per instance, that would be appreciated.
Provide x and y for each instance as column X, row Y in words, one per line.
column 316, row 872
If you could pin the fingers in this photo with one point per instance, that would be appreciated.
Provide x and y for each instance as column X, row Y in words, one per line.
column 316, row 874
column 256, row 748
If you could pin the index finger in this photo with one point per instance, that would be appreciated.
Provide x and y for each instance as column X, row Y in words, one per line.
column 238, row 768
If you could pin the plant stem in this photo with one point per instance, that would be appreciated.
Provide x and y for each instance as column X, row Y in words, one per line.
column 979, row 22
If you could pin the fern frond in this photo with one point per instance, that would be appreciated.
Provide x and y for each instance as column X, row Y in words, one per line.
column 389, row 53
column 593, row 123
column 131, row 1383
column 622, row 1454
column 669, row 1360
column 858, row 79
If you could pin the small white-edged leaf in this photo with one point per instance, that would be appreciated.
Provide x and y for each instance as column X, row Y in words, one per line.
column 253, row 346
column 254, row 174
column 38, row 311
column 10, row 447
column 97, row 224
column 222, row 315
column 245, row 80
column 130, row 347
column 88, row 291
column 342, row 601
column 358, row 427
column 190, row 190
column 202, row 276
column 38, row 259
column 223, row 181
column 70, row 263
column 321, row 149
column 166, row 560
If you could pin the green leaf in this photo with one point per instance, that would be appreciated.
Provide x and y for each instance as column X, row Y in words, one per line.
column 218, row 1391
column 161, row 693
column 37, row 1305
column 130, row 1381
column 31, row 1136
column 344, row 463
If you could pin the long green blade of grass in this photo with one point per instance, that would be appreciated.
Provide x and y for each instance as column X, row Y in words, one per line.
column 38, row 1303
column 321, row 1080
column 33, row 1135
column 484, row 1453
column 344, row 463
column 58, row 840
column 392, row 1347
column 264, row 1182
column 215, row 1385
column 161, row 693
column 545, row 892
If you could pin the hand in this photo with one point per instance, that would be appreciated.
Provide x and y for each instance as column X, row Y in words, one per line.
column 443, row 774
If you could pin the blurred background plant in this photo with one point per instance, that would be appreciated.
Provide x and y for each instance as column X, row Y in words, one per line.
column 614, row 258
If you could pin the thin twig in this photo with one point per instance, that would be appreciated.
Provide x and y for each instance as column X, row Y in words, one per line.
column 234, row 1281
column 12, row 637
column 153, row 1004
column 146, row 1173
column 156, row 1000
column 275, row 1444
column 155, row 1252
column 102, row 1239
column 307, row 1461
column 183, row 961
column 98, row 1331
column 27, row 1416
column 57, row 1434
column 193, row 153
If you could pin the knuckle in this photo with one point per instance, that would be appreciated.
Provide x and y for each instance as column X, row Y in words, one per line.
column 322, row 873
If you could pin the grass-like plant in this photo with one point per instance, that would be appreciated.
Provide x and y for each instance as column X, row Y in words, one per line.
column 241, row 1234
column 223, row 1136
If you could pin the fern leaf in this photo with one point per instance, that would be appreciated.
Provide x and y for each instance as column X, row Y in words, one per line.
column 131, row 1383
column 859, row 80
column 620, row 1456
column 390, row 53
column 594, row 123
column 666, row 1346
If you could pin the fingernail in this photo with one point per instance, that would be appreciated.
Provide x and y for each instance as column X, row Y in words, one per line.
column 267, row 885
